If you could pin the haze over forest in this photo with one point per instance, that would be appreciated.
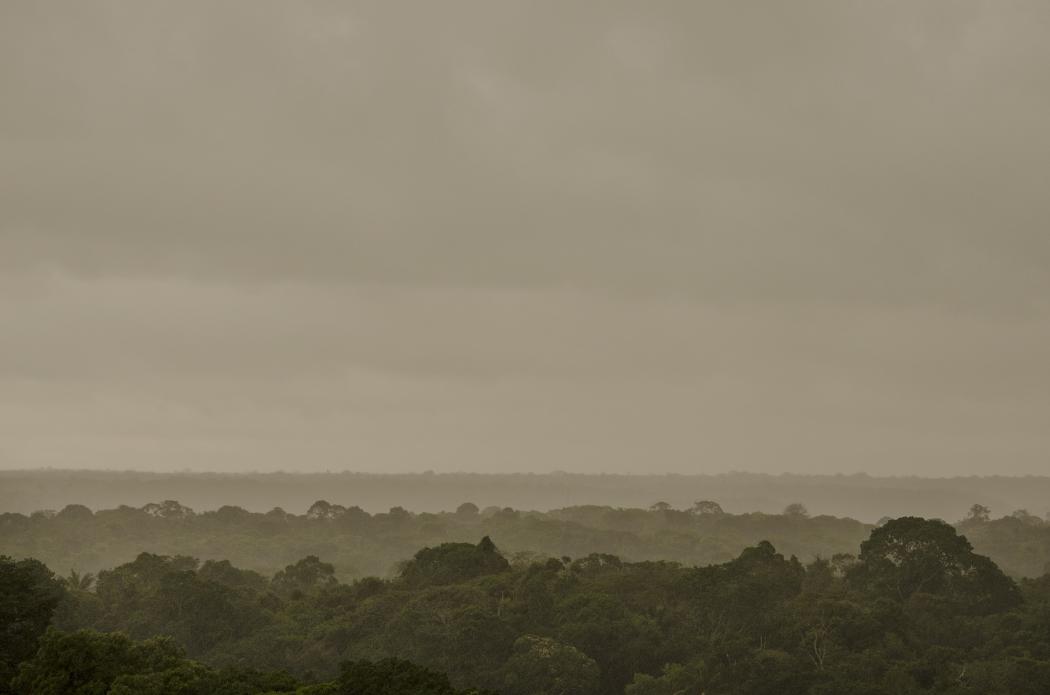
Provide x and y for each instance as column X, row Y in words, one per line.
column 864, row 498
column 523, row 237
column 503, row 347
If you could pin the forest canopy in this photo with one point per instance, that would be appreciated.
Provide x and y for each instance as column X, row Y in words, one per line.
column 358, row 544
column 914, row 609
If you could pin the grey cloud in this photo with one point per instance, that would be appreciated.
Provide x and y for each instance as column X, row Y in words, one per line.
column 578, row 231
column 723, row 150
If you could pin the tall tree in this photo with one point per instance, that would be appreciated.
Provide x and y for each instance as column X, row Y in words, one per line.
column 29, row 594
column 912, row 555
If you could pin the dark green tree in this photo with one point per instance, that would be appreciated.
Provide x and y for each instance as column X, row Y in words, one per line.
column 543, row 666
column 454, row 562
column 912, row 555
column 29, row 595
column 467, row 510
column 705, row 507
column 393, row 677
column 305, row 576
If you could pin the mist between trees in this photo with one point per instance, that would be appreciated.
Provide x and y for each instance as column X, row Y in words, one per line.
column 586, row 599
column 360, row 544
column 913, row 610
column 863, row 497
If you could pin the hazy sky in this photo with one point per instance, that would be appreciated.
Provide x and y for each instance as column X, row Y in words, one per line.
column 492, row 236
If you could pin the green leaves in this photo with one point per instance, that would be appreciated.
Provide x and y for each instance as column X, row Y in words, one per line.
column 543, row 666
column 453, row 562
column 917, row 611
column 912, row 555
column 305, row 576
column 29, row 595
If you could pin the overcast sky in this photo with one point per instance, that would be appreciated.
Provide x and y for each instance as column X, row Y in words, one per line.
column 495, row 236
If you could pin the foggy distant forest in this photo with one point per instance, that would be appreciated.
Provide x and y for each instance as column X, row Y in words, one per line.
column 580, row 600
column 524, row 347
column 862, row 497
column 271, row 528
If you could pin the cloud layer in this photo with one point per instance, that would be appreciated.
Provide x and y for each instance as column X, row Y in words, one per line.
column 525, row 236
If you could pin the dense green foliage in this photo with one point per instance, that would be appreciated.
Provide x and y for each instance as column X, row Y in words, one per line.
column 29, row 594
column 916, row 610
column 94, row 663
column 86, row 663
column 864, row 497
column 358, row 544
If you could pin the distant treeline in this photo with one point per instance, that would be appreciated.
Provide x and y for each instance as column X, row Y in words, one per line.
column 360, row 544
column 913, row 610
column 863, row 497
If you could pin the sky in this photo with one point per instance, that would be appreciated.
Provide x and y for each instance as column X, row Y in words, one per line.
column 526, row 236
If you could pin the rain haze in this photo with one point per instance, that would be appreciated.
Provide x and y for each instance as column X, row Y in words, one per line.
column 498, row 237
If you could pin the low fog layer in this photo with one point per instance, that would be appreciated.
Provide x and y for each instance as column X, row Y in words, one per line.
column 859, row 497
column 599, row 237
